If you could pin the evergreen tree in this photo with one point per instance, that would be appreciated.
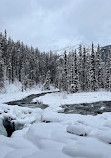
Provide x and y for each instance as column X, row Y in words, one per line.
column 108, row 72
column 46, row 85
column 59, row 72
column 64, row 75
column 75, row 85
column 84, row 71
column 99, row 69
column 92, row 70
column 88, row 84
column 80, row 68
column 1, row 70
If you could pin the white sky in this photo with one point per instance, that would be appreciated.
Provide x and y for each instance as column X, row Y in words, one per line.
column 55, row 24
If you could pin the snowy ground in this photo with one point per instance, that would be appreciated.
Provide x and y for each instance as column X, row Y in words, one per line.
column 64, row 136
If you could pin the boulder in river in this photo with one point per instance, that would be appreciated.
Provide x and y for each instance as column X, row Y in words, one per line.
column 9, row 126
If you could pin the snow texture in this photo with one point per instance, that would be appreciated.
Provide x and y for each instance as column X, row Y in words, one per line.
column 48, row 134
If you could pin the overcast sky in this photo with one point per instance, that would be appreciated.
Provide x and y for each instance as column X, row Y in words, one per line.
column 55, row 24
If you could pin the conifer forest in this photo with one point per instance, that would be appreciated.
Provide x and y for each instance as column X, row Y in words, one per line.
column 81, row 70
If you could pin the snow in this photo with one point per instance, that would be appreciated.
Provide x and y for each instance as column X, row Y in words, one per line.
column 77, row 129
column 21, row 115
column 2, row 129
column 88, row 148
column 64, row 136
column 58, row 99
column 73, row 47
column 108, row 124
column 102, row 108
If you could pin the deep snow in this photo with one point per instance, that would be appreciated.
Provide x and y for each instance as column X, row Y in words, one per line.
column 65, row 136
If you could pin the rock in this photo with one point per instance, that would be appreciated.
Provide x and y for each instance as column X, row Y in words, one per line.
column 9, row 126
column 2, row 128
column 46, row 121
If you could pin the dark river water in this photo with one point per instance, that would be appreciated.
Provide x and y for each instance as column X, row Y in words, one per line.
column 27, row 102
column 84, row 108
column 87, row 108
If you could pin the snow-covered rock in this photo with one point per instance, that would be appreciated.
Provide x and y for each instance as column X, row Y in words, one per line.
column 2, row 128
column 77, row 129
column 102, row 108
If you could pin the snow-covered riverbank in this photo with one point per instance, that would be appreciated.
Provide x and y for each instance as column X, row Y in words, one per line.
column 64, row 136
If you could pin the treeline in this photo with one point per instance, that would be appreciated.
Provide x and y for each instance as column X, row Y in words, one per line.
column 25, row 64
column 79, row 70
column 84, row 70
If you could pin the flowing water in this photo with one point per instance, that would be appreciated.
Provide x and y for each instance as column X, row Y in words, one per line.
column 87, row 108
column 27, row 102
column 84, row 108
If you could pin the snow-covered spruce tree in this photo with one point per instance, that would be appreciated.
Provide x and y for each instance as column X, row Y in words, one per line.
column 46, row 85
column 93, row 70
column 32, row 68
column 71, row 71
column 80, row 68
column 59, row 72
column 37, row 65
column 52, row 66
column 69, row 66
column 99, row 69
column 4, row 47
column 10, row 62
column 1, row 70
column 4, row 56
column 75, row 81
column 84, row 71
column 24, row 77
column 64, row 74
column 108, row 72
column 110, row 68
column 88, row 84
column 57, row 80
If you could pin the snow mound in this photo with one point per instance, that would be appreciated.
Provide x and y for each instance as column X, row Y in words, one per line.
column 77, row 129
column 102, row 134
column 88, row 148
column 108, row 124
column 13, row 88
